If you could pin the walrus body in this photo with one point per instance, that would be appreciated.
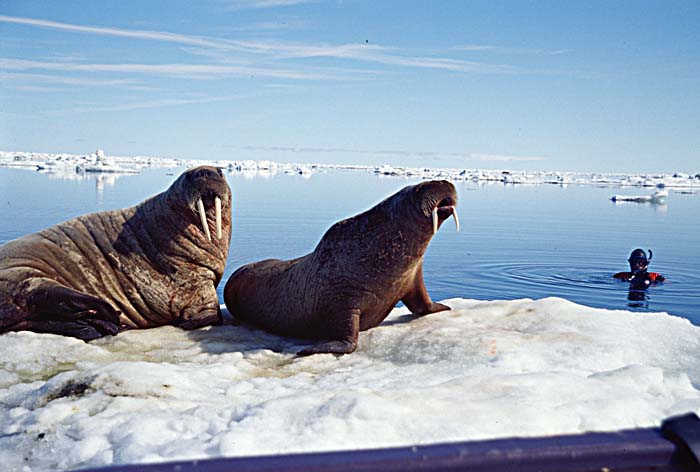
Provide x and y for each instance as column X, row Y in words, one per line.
column 153, row 264
column 360, row 269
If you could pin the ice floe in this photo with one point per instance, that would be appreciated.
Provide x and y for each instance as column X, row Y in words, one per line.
column 265, row 168
column 657, row 197
column 486, row 369
column 97, row 162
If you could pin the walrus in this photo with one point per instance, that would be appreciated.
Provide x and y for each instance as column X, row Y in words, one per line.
column 355, row 276
column 153, row 264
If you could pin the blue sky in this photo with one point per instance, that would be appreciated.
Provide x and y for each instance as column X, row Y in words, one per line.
column 583, row 86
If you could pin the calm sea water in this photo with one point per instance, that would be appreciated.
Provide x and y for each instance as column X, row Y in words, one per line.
column 521, row 241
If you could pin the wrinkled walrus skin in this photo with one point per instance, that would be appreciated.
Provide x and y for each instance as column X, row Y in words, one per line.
column 149, row 265
column 358, row 272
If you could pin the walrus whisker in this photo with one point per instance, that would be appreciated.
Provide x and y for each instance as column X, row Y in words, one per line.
column 217, row 206
column 435, row 220
column 203, row 217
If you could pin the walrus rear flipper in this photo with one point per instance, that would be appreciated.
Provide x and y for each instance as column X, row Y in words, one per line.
column 347, row 327
column 54, row 308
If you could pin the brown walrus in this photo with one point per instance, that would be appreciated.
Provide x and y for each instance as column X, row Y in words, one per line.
column 152, row 264
column 358, row 272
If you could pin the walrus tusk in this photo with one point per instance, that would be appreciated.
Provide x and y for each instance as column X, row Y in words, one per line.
column 435, row 217
column 203, row 217
column 435, row 220
column 217, row 205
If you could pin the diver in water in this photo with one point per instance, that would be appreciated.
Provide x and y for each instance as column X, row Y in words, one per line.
column 639, row 277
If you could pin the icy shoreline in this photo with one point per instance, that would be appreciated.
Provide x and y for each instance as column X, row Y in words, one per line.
column 486, row 369
column 69, row 162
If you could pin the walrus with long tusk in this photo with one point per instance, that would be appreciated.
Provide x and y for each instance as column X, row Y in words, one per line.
column 359, row 270
column 153, row 264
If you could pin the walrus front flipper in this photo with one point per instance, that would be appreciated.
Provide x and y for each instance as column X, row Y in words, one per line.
column 206, row 317
column 200, row 309
column 54, row 308
column 418, row 301
column 346, row 325
column 330, row 347
column 80, row 329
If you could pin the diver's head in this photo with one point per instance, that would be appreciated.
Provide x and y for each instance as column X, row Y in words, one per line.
column 638, row 261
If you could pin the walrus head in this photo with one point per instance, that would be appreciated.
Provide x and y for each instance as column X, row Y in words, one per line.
column 203, row 191
column 433, row 202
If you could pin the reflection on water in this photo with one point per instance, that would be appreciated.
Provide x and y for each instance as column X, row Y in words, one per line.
column 101, row 180
column 638, row 298
column 658, row 207
column 639, row 288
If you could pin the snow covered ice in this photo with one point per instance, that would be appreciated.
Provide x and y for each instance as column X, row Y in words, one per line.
column 486, row 369
column 656, row 197
column 65, row 164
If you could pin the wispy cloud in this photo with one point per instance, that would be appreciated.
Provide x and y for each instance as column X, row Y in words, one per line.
column 258, row 4
column 361, row 52
column 267, row 26
column 504, row 158
column 300, row 50
column 191, row 71
column 454, row 65
column 509, row 50
column 166, row 102
column 462, row 156
column 63, row 80
column 474, row 47
column 136, row 34
column 38, row 89
column 385, row 55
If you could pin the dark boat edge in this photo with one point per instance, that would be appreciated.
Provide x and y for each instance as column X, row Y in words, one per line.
column 675, row 446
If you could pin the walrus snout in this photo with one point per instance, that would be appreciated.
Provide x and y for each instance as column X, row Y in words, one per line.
column 206, row 191
column 205, row 177
column 438, row 201
column 446, row 208
column 206, row 173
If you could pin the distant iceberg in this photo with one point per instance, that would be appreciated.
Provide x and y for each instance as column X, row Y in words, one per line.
column 656, row 197
column 23, row 161
column 267, row 168
column 97, row 162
